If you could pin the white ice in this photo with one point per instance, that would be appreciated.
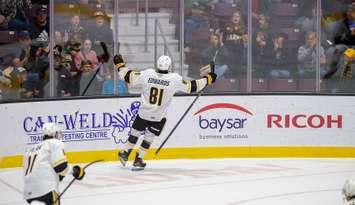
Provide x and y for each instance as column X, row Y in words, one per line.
column 207, row 182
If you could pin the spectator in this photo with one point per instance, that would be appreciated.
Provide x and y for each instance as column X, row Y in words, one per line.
column 22, row 51
column 309, row 23
column 62, row 65
column 343, row 40
column 108, row 85
column 75, row 31
column 101, row 32
column 261, row 53
column 216, row 50
column 58, row 38
column 39, row 24
column 343, row 54
column 234, row 36
column 72, row 48
column 307, row 57
column 234, row 31
column 38, row 64
column 87, row 62
column 14, row 14
column 263, row 24
column 12, row 80
column 279, row 59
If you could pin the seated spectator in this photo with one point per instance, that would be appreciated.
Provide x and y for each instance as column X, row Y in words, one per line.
column 234, row 38
column 38, row 64
column 11, row 81
column 261, row 53
column 279, row 57
column 14, row 14
column 39, row 24
column 22, row 51
column 309, row 23
column 86, row 60
column 307, row 57
column 263, row 24
column 74, row 31
column 72, row 48
column 216, row 50
column 58, row 38
column 344, row 40
column 108, row 85
column 101, row 32
column 62, row 65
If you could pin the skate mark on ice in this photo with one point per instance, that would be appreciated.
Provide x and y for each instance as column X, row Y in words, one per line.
column 211, row 184
column 282, row 195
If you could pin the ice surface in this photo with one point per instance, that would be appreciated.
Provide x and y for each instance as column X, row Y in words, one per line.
column 212, row 181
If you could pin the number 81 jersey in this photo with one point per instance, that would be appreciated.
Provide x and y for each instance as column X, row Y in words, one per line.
column 38, row 168
column 157, row 90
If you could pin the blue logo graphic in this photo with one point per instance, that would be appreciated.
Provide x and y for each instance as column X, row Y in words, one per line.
column 81, row 126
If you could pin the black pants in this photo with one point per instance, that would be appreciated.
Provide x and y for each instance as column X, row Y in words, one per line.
column 154, row 127
column 49, row 199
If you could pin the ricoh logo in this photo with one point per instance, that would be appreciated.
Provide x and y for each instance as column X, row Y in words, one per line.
column 83, row 126
column 314, row 121
column 229, row 121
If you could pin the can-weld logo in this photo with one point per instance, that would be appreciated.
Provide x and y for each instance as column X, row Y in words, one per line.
column 82, row 126
column 223, row 123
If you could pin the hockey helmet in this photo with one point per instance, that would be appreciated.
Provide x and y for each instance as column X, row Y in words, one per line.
column 50, row 129
column 349, row 188
column 164, row 63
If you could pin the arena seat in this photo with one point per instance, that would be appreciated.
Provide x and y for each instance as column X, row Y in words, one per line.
column 7, row 36
column 284, row 9
column 258, row 85
column 282, row 85
column 307, row 85
column 226, row 85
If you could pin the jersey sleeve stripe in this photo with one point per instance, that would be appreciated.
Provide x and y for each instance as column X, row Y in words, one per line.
column 127, row 77
column 59, row 162
column 62, row 168
column 193, row 86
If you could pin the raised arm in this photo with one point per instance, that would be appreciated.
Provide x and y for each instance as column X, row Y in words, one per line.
column 130, row 76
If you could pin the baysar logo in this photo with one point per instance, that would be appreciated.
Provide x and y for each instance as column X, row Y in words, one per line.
column 221, row 123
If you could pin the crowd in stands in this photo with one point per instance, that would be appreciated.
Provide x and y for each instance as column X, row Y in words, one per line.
column 284, row 37
column 284, row 43
column 82, row 34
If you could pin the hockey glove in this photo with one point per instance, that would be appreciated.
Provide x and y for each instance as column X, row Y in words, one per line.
column 211, row 78
column 119, row 62
column 78, row 172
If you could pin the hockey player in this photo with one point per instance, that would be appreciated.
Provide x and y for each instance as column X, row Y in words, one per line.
column 349, row 192
column 45, row 165
column 157, row 89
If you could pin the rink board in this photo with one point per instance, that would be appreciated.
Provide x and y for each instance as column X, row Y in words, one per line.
column 216, row 126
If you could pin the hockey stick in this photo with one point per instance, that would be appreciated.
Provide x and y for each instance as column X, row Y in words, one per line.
column 73, row 180
column 189, row 108
column 103, row 58
column 178, row 123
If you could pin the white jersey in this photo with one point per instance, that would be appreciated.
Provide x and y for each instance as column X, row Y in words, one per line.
column 351, row 202
column 158, row 90
column 38, row 168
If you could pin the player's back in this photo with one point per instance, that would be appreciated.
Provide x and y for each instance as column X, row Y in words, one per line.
column 39, row 175
column 157, row 92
